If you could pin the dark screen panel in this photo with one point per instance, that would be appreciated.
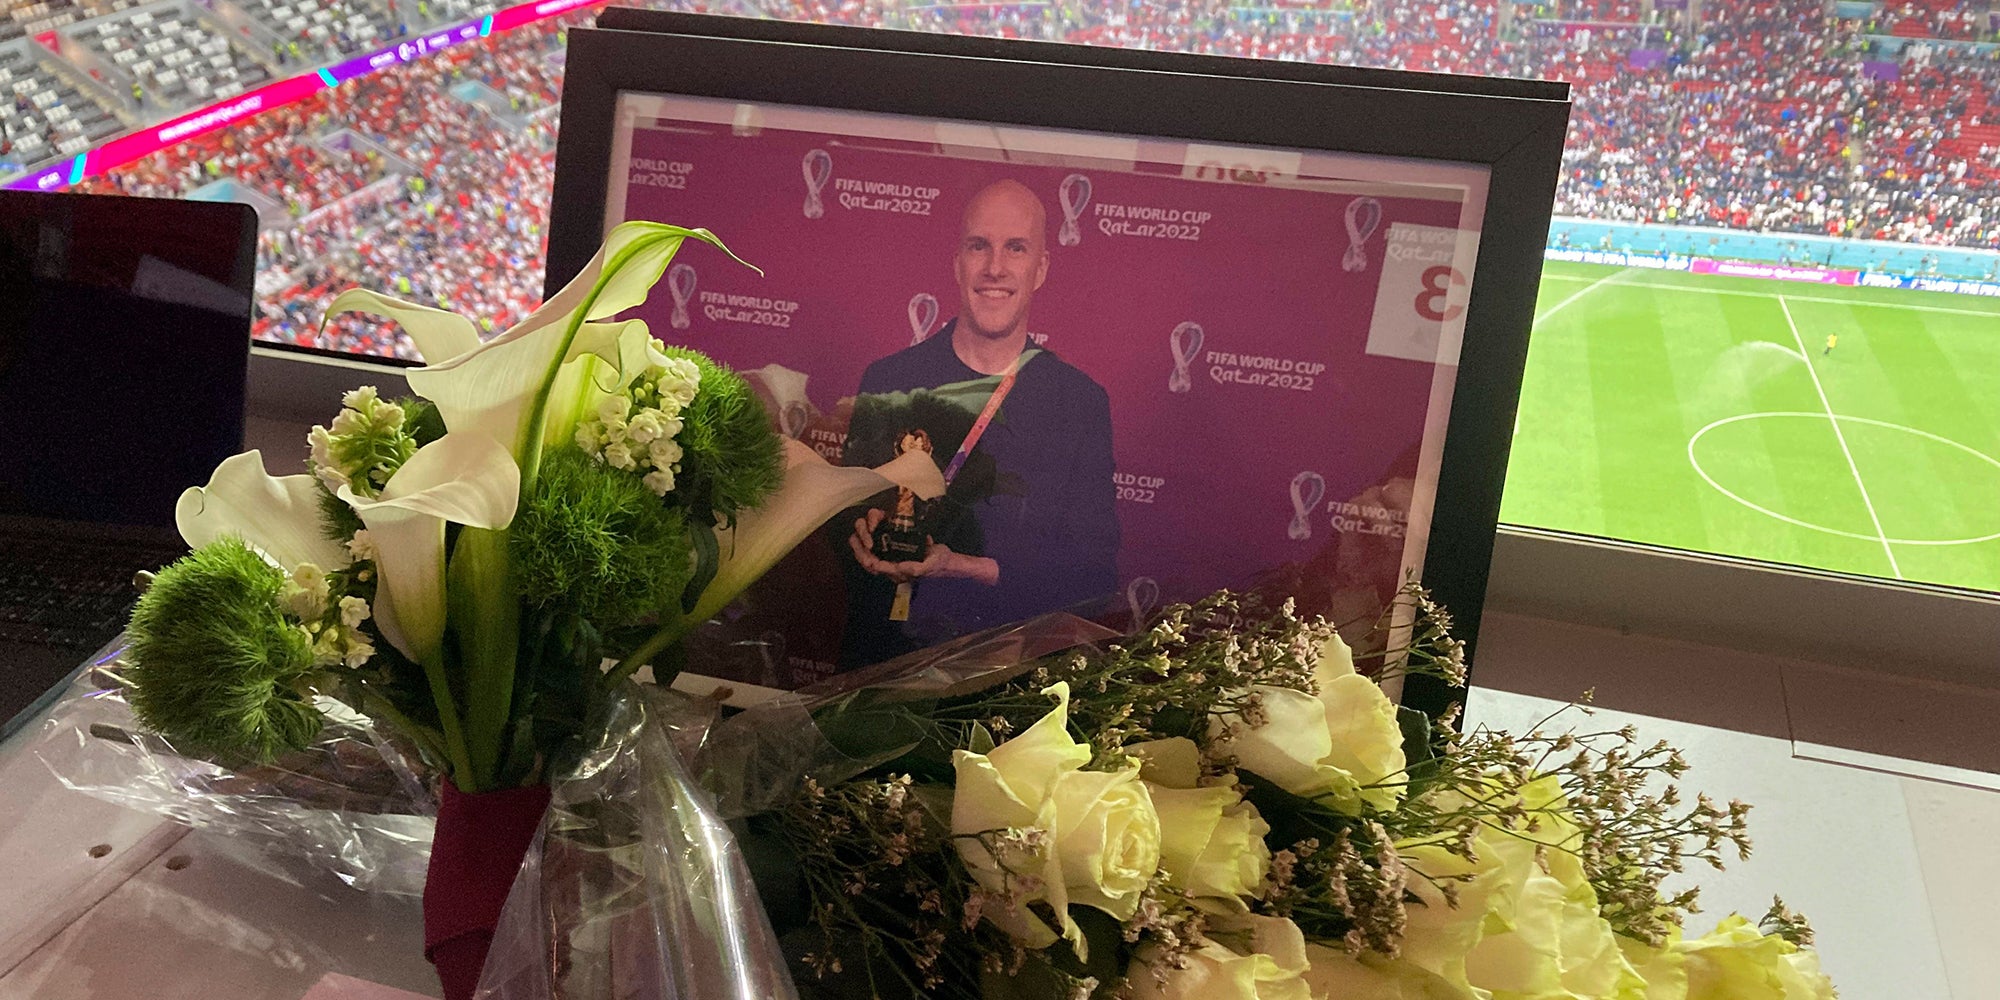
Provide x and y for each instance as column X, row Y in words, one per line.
column 124, row 337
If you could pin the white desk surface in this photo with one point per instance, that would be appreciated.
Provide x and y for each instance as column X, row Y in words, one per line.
column 101, row 902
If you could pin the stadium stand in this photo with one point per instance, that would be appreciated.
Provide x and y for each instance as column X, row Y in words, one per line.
column 441, row 11
column 170, row 56
column 332, row 26
column 1769, row 115
column 43, row 115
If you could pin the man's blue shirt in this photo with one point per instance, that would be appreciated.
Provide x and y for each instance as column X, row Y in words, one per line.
column 1036, row 497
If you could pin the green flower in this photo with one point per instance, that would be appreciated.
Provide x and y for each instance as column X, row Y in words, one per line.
column 730, row 458
column 596, row 541
column 219, row 667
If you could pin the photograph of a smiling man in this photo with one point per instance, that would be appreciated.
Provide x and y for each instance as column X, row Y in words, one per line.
column 1027, row 524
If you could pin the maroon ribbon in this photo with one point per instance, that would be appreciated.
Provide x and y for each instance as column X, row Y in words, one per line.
column 481, row 839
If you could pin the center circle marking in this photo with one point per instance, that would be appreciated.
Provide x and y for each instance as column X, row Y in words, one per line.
column 1761, row 509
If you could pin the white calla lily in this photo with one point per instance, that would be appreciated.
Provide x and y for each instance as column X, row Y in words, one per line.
column 812, row 491
column 437, row 333
column 505, row 390
column 463, row 478
column 493, row 389
column 588, row 377
column 278, row 516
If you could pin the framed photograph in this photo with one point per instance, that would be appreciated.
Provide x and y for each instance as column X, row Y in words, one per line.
column 1164, row 332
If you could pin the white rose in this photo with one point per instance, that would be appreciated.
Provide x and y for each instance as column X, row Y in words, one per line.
column 1335, row 973
column 619, row 455
column 1272, row 968
column 1211, row 842
column 665, row 453
column 660, row 481
column 1174, row 762
column 1102, row 839
column 1333, row 746
column 1526, row 922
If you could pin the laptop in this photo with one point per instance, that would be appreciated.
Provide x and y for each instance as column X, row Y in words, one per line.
column 124, row 342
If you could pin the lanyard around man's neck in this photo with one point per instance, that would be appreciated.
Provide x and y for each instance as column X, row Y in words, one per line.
column 986, row 415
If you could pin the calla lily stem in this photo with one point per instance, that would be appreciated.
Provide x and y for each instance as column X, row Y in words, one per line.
column 454, row 735
column 667, row 635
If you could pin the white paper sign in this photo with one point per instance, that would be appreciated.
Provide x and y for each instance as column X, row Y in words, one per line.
column 1420, row 301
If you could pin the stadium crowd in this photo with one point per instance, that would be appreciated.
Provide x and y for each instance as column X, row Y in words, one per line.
column 1971, row 22
column 467, row 234
column 1769, row 115
column 460, row 227
column 277, row 153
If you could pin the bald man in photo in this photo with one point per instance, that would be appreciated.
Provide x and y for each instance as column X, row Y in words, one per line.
column 1031, row 526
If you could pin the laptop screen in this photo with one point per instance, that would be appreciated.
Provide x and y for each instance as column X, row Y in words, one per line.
column 124, row 340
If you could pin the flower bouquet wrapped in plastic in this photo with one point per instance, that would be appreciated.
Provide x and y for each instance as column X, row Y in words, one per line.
column 460, row 567
column 1218, row 806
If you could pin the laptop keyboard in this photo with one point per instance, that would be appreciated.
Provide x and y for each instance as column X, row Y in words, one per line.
column 68, row 593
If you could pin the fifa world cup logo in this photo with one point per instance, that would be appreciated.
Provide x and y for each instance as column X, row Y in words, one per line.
column 1142, row 595
column 1363, row 215
column 1307, row 489
column 680, row 285
column 923, row 312
column 1074, row 195
column 1185, row 342
column 818, row 169
column 794, row 419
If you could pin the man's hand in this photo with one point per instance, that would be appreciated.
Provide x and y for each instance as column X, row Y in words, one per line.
column 939, row 560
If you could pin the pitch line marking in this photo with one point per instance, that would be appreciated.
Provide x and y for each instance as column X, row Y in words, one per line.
column 1759, row 508
column 1579, row 293
column 1838, row 435
column 1661, row 286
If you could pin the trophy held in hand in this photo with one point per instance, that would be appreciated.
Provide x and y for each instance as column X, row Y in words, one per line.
column 900, row 538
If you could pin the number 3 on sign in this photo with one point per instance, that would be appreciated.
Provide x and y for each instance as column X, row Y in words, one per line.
column 1434, row 302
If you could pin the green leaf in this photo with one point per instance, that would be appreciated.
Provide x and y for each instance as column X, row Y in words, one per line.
column 874, row 733
column 707, row 560
column 982, row 741
column 1418, row 750
column 1052, row 972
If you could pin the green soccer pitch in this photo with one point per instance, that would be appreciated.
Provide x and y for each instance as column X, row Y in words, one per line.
column 1706, row 413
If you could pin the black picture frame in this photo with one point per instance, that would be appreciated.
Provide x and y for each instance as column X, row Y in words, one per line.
column 1514, row 129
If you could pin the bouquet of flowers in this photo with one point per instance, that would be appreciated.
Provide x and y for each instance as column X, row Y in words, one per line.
column 459, row 567
column 1221, row 806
